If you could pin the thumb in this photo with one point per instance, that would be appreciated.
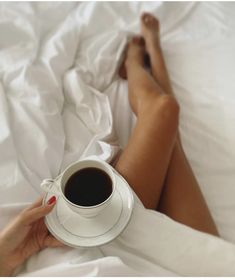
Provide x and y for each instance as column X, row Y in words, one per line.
column 31, row 215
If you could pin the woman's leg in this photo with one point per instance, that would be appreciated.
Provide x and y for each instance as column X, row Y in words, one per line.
column 181, row 198
column 146, row 157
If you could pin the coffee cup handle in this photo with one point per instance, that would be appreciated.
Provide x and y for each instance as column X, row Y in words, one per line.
column 47, row 186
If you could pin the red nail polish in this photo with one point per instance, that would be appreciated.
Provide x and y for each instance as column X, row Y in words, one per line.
column 52, row 200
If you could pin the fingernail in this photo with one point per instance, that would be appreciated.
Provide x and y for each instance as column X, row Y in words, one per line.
column 52, row 200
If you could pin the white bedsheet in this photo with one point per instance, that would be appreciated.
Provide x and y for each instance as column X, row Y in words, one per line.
column 61, row 100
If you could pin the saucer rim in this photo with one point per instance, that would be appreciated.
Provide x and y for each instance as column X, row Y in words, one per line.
column 132, row 201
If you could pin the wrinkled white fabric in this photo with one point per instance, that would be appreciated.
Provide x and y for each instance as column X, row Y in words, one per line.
column 62, row 100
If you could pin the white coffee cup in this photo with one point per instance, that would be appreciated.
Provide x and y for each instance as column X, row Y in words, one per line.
column 57, row 186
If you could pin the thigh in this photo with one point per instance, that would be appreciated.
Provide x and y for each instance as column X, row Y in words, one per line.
column 181, row 198
column 146, row 157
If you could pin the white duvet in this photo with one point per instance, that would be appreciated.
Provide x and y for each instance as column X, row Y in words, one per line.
column 61, row 100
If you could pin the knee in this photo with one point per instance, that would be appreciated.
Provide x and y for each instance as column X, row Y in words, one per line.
column 168, row 108
column 169, row 105
column 163, row 108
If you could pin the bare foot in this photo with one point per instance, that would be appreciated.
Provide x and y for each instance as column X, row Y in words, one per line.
column 150, row 31
column 134, row 54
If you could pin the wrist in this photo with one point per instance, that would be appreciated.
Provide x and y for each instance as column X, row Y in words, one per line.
column 4, row 272
column 5, row 268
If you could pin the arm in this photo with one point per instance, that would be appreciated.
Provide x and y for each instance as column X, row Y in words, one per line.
column 24, row 236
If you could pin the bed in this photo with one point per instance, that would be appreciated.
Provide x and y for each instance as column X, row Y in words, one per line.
column 62, row 100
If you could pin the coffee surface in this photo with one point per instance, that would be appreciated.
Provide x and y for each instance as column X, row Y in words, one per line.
column 88, row 187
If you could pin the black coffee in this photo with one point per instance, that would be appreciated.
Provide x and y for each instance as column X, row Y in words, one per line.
column 88, row 187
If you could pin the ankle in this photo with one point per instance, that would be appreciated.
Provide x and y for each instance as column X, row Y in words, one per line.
column 154, row 46
column 131, row 63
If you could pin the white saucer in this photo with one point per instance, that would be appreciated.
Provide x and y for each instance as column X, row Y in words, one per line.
column 76, row 231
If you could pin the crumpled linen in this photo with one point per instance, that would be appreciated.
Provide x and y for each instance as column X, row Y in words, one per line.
column 62, row 100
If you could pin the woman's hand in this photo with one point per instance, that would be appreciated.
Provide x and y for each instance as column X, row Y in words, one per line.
column 25, row 235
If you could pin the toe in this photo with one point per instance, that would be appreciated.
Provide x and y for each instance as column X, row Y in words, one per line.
column 139, row 40
column 146, row 18
column 143, row 16
column 149, row 22
column 136, row 39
